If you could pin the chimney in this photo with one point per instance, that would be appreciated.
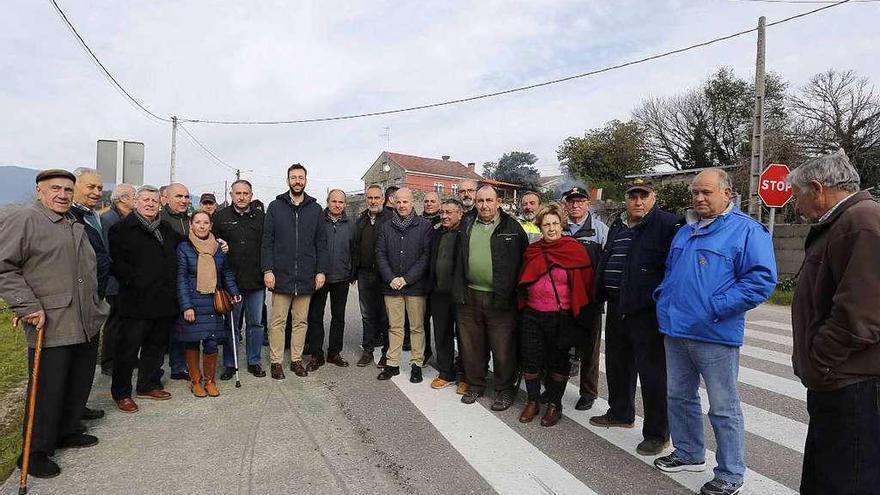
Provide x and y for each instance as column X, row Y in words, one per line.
column 472, row 167
column 445, row 157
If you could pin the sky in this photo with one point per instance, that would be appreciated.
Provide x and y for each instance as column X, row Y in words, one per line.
column 283, row 60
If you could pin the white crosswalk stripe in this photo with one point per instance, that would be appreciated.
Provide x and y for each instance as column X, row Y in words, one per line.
column 774, row 338
column 766, row 355
column 771, row 324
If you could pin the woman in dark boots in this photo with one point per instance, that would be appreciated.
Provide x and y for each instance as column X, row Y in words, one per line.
column 201, row 270
column 555, row 286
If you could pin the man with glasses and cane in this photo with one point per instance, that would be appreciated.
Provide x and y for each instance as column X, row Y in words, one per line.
column 48, row 277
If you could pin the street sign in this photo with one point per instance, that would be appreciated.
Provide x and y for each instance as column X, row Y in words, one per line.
column 772, row 188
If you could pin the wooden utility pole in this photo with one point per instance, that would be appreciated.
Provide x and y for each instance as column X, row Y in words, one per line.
column 757, row 161
column 173, row 147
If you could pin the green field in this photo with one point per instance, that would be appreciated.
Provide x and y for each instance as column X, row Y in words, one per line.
column 13, row 372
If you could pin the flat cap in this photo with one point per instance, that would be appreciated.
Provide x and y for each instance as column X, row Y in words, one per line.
column 54, row 173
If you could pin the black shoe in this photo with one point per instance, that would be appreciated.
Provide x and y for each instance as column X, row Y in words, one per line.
column 415, row 375
column 584, row 403
column 180, row 375
column 673, row 464
column 503, row 400
column 77, row 441
column 652, row 446
column 40, row 466
column 227, row 374
column 720, row 487
column 256, row 370
column 80, row 428
column 470, row 396
column 545, row 397
column 388, row 372
column 92, row 414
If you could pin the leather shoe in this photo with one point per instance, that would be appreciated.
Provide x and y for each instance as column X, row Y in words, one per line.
column 77, row 441
column 470, row 396
column 415, row 374
column 365, row 360
column 315, row 363
column 584, row 403
column 92, row 414
column 40, row 466
column 256, row 370
column 297, row 368
column 127, row 405
column 552, row 415
column 388, row 372
column 339, row 361
column 383, row 361
column 462, row 387
column 529, row 412
column 277, row 371
column 180, row 375
column 154, row 395
column 227, row 374
column 503, row 400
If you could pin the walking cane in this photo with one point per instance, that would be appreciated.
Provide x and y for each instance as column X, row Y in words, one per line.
column 234, row 347
column 29, row 426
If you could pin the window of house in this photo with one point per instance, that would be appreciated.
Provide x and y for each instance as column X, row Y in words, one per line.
column 455, row 189
column 438, row 187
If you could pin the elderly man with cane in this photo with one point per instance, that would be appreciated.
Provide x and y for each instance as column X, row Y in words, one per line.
column 48, row 276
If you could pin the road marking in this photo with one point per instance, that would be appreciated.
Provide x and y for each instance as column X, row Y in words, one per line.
column 773, row 383
column 769, row 337
column 771, row 324
column 766, row 355
column 774, row 427
column 507, row 461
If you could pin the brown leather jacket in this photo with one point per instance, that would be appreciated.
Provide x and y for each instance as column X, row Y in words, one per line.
column 835, row 316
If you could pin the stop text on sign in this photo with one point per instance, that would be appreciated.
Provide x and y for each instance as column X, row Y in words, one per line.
column 775, row 185
column 773, row 189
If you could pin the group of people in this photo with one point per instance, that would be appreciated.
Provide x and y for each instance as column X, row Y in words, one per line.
column 528, row 291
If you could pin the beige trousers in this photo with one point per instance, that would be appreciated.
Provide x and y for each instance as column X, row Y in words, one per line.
column 398, row 307
column 282, row 305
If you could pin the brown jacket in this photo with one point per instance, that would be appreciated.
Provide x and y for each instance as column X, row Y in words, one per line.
column 835, row 314
column 46, row 262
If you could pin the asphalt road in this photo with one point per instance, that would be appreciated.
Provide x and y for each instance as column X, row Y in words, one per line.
column 339, row 430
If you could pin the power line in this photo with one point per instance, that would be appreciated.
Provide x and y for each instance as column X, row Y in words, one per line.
column 107, row 73
column 512, row 90
column 814, row 2
column 205, row 149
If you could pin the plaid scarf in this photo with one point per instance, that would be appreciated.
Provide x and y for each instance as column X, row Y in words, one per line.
column 151, row 227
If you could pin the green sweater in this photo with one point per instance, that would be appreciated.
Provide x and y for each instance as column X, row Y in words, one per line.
column 480, row 255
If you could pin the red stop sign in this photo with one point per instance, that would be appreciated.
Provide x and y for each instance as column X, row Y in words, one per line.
column 772, row 188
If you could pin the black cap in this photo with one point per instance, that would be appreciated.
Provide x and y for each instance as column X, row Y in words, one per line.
column 640, row 185
column 55, row 173
column 575, row 191
column 208, row 198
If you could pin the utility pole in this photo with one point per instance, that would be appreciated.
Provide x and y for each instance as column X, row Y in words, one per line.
column 173, row 146
column 758, row 125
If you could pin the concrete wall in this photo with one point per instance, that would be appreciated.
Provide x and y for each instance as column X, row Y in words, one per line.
column 788, row 244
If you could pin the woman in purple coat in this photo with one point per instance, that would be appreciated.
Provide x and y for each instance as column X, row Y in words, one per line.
column 201, row 270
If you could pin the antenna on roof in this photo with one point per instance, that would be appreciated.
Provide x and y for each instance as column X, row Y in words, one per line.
column 387, row 136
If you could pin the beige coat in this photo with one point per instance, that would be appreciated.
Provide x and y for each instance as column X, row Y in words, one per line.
column 46, row 262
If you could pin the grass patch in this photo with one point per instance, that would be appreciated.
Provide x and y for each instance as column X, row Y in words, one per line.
column 782, row 297
column 13, row 372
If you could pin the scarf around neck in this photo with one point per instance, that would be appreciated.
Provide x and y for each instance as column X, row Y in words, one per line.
column 567, row 254
column 402, row 223
column 151, row 226
column 206, row 268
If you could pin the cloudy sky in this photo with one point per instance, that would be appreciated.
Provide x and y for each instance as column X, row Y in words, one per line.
column 267, row 60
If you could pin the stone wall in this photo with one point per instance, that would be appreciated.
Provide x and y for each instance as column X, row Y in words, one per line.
column 788, row 244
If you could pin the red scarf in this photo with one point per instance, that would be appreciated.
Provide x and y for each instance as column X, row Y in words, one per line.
column 566, row 253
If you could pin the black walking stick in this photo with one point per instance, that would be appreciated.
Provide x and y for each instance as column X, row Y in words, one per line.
column 32, row 402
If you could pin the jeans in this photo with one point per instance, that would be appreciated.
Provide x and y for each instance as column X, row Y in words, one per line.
column 842, row 453
column 686, row 361
column 252, row 303
column 176, row 356
column 338, row 292
column 373, row 316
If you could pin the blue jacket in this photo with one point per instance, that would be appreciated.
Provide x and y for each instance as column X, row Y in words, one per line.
column 294, row 244
column 208, row 324
column 108, row 219
column 713, row 276
column 405, row 253
column 99, row 244
column 340, row 248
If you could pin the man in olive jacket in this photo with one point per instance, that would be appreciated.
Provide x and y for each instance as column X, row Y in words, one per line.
column 836, row 327
column 48, row 277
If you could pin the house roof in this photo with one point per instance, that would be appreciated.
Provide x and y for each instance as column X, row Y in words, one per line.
column 433, row 166
column 492, row 182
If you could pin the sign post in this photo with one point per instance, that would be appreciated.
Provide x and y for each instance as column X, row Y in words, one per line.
column 773, row 190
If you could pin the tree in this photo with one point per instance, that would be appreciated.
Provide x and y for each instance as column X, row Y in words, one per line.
column 514, row 167
column 710, row 125
column 674, row 197
column 604, row 157
column 840, row 110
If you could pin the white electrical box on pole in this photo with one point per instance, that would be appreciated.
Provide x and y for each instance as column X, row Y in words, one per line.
column 173, row 147
column 757, row 159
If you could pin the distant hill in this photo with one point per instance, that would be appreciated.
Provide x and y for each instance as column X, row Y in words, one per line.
column 16, row 184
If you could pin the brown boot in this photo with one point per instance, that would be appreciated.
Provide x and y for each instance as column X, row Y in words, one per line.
column 210, row 363
column 529, row 412
column 195, row 376
column 552, row 415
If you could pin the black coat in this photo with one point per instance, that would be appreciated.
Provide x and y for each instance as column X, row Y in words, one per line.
column 363, row 221
column 102, row 255
column 435, row 250
column 146, row 269
column 340, row 248
column 645, row 263
column 244, row 234
column 509, row 242
column 405, row 253
column 294, row 244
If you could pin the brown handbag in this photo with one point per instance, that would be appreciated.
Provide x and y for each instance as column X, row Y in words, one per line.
column 222, row 301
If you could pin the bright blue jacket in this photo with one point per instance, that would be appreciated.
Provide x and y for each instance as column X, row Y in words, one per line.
column 713, row 276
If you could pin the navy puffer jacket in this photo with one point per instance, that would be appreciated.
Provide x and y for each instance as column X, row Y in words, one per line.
column 208, row 324
column 294, row 244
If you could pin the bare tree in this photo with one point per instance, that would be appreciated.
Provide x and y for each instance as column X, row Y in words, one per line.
column 840, row 110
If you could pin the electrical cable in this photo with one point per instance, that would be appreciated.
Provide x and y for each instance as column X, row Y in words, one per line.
column 205, row 148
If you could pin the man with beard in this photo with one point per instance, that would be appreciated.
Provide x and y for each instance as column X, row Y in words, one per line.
column 467, row 191
column 529, row 204
column 294, row 258
column 372, row 305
